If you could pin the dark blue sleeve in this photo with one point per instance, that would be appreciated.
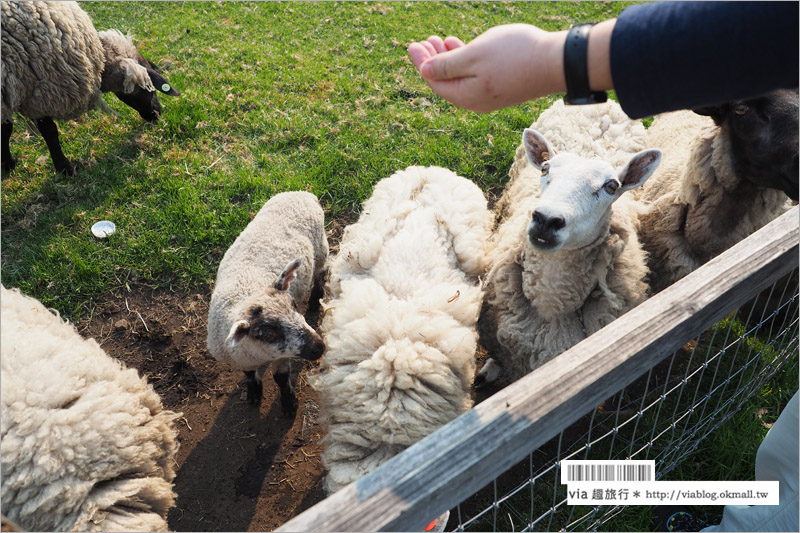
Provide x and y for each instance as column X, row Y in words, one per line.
column 680, row 55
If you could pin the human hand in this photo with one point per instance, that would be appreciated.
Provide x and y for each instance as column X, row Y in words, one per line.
column 504, row 66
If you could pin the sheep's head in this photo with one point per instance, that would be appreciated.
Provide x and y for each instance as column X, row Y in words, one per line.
column 133, row 78
column 271, row 326
column 576, row 193
column 763, row 136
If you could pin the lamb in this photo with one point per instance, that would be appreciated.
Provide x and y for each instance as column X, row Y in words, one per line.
column 85, row 442
column 723, row 178
column 262, row 291
column 565, row 259
column 400, row 322
column 56, row 65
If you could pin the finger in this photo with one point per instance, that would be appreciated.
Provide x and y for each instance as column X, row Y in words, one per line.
column 429, row 47
column 451, row 43
column 438, row 43
column 418, row 54
column 454, row 64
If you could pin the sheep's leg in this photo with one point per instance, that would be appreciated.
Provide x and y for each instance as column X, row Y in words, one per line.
column 317, row 293
column 8, row 161
column 49, row 132
column 281, row 372
column 255, row 387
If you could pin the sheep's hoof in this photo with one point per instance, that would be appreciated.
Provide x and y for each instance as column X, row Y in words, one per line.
column 480, row 382
column 66, row 168
column 9, row 164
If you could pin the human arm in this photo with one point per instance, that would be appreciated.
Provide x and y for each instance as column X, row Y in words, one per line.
column 658, row 57
column 683, row 55
column 507, row 65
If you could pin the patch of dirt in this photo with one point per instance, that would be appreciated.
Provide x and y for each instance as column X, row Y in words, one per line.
column 240, row 467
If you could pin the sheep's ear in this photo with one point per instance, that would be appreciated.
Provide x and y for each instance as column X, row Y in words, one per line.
column 134, row 75
column 537, row 148
column 288, row 274
column 162, row 84
column 719, row 113
column 238, row 332
column 639, row 169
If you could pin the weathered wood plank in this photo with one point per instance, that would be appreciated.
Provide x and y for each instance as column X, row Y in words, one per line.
column 460, row 458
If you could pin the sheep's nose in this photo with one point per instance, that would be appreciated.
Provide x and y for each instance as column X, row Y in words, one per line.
column 545, row 222
column 313, row 351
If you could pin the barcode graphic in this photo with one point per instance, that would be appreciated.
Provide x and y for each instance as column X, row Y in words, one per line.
column 587, row 471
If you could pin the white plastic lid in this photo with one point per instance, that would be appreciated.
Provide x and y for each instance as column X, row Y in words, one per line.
column 103, row 229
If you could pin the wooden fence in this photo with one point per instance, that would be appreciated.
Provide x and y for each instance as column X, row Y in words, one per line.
column 448, row 466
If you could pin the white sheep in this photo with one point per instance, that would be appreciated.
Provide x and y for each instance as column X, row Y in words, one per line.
column 400, row 325
column 56, row 65
column 721, row 180
column 85, row 442
column 263, row 287
column 564, row 262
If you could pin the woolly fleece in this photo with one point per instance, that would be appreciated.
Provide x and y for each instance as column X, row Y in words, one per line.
column 400, row 326
column 122, row 68
column 86, row 444
column 538, row 305
column 697, row 206
column 52, row 60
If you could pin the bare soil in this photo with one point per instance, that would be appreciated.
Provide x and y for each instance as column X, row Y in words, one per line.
column 240, row 467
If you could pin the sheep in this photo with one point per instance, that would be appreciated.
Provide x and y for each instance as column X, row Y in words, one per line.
column 56, row 65
column 399, row 325
column 263, row 287
column 85, row 442
column 723, row 178
column 564, row 262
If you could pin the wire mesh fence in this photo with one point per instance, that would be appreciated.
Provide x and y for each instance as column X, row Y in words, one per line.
column 662, row 416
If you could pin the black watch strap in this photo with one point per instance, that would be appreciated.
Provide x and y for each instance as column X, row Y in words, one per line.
column 576, row 72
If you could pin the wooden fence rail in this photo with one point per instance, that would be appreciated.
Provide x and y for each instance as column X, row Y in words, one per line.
column 460, row 458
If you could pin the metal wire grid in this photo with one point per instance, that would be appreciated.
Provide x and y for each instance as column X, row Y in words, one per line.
column 662, row 416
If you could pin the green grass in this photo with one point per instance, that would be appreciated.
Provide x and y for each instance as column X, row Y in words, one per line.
column 728, row 452
column 275, row 97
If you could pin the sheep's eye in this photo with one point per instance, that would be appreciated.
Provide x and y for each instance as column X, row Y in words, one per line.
column 269, row 333
column 740, row 109
column 545, row 168
column 611, row 187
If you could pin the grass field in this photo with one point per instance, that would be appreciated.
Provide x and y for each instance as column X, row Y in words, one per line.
column 275, row 97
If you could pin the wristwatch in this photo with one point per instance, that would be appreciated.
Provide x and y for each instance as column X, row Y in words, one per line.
column 575, row 68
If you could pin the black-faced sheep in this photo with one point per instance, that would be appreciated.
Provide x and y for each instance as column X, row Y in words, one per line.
column 400, row 324
column 85, row 443
column 565, row 260
column 263, row 286
column 722, row 178
column 56, row 66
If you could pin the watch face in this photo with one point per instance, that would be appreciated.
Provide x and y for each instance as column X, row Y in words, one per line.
column 594, row 97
